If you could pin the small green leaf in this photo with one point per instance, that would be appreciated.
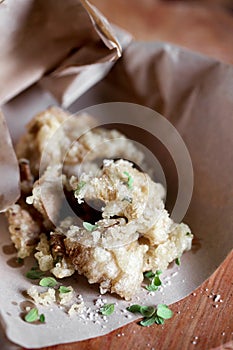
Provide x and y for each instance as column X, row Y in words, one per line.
column 177, row 261
column 130, row 180
column 158, row 272
column 89, row 227
column 149, row 274
column 164, row 312
column 159, row 320
column 148, row 321
column 42, row 318
column 63, row 289
column 134, row 308
column 80, row 185
column 19, row 260
column 32, row 315
column 48, row 282
column 107, row 309
column 155, row 282
column 152, row 288
column 147, row 311
column 34, row 274
column 188, row 233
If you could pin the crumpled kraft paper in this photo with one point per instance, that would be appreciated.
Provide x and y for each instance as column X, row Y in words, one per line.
column 66, row 45
column 58, row 39
column 195, row 93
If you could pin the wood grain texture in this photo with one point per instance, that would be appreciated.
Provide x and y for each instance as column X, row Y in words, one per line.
column 204, row 28
column 207, row 30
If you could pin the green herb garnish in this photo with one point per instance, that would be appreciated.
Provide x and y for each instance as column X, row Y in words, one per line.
column 19, row 260
column 42, row 318
column 159, row 320
column 188, row 233
column 148, row 321
column 88, row 226
column 81, row 184
column 147, row 311
column 107, row 309
column 63, row 289
column 149, row 274
column 34, row 273
column 151, row 314
column 155, row 280
column 177, row 261
column 32, row 315
column 164, row 312
column 130, row 180
column 48, row 282
column 134, row 308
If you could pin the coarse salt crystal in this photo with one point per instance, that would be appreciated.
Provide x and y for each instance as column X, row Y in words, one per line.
column 174, row 274
column 217, row 298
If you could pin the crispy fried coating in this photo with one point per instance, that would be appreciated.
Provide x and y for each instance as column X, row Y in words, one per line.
column 24, row 230
column 134, row 232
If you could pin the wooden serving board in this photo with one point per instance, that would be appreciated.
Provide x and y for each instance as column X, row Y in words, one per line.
column 198, row 322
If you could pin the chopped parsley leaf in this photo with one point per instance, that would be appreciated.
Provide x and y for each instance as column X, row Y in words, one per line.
column 130, row 180
column 88, row 226
column 107, row 309
column 32, row 315
column 63, row 289
column 48, row 282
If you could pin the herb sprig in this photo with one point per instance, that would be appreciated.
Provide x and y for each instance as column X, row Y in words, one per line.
column 130, row 180
column 155, row 280
column 151, row 314
column 33, row 316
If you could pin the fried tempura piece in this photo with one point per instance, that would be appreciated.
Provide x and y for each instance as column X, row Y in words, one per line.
column 56, row 124
column 135, row 234
column 24, row 230
column 116, row 270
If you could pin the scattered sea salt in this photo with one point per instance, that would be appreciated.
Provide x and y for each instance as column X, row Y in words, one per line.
column 217, row 298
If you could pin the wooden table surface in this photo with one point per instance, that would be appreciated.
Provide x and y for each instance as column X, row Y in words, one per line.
column 198, row 321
